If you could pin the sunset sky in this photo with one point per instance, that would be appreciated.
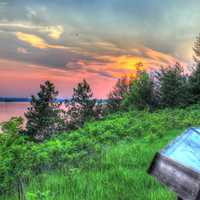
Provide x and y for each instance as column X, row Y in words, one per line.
column 100, row 40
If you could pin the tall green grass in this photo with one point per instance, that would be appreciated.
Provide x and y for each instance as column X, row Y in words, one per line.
column 119, row 173
column 105, row 159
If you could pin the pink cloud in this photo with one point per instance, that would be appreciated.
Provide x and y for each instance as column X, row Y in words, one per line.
column 20, row 79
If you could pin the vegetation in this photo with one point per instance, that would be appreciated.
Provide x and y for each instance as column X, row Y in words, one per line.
column 119, row 92
column 196, row 50
column 84, row 153
column 141, row 94
column 81, row 106
column 120, row 172
column 172, row 89
column 43, row 116
column 194, row 83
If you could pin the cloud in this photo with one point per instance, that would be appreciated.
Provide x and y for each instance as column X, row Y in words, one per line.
column 33, row 40
column 117, row 65
column 111, row 65
column 22, row 50
column 36, row 41
column 54, row 32
column 26, row 79
column 30, row 12
column 103, row 57
column 3, row 4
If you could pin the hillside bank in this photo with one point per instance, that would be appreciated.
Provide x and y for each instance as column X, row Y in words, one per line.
column 105, row 159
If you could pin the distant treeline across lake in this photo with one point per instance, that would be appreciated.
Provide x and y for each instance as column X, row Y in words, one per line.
column 17, row 99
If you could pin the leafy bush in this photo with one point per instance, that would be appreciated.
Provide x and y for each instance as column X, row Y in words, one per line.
column 38, row 195
column 21, row 158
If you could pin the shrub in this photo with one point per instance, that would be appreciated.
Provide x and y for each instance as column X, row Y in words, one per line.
column 21, row 158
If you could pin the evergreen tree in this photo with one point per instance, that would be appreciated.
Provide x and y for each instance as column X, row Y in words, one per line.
column 43, row 117
column 172, row 86
column 194, row 78
column 81, row 106
column 119, row 92
column 194, row 85
column 196, row 50
column 141, row 94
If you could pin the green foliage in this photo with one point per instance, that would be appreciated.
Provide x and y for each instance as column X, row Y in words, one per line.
column 141, row 94
column 196, row 50
column 43, row 118
column 81, row 106
column 38, row 195
column 13, row 158
column 116, row 96
column 21, row 159
column 13, row 126
column 194, row 85
column 119, row 172
column 172, row 88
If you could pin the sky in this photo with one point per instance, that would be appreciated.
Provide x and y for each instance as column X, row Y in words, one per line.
column 65, row 41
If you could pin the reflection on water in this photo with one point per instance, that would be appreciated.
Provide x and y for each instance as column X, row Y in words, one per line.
column 12, row 109
column 15, row 109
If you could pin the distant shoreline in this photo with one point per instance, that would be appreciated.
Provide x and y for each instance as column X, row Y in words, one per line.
column 23, row 100
column 28, row 100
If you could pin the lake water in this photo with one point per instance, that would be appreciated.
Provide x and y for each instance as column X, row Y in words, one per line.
column 12, row 109
column 15, row 109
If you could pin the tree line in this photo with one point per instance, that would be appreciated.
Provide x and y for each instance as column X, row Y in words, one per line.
column 168, row 87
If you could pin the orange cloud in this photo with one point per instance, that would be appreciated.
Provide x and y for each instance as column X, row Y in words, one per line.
column 33, row 40
column 159, row 56
column 116, row 66
column 36, row 41
column 127, row 62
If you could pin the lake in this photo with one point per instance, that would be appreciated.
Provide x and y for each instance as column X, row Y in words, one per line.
column 16, row 109
column 12, row 109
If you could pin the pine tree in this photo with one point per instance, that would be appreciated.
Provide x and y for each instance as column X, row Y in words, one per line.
column 172, row 86
column 119, row 92
column 43, row 118
column 141, row 94
column 194, row 78
column 81, row 106
column 196, row 50
column 194, row 85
